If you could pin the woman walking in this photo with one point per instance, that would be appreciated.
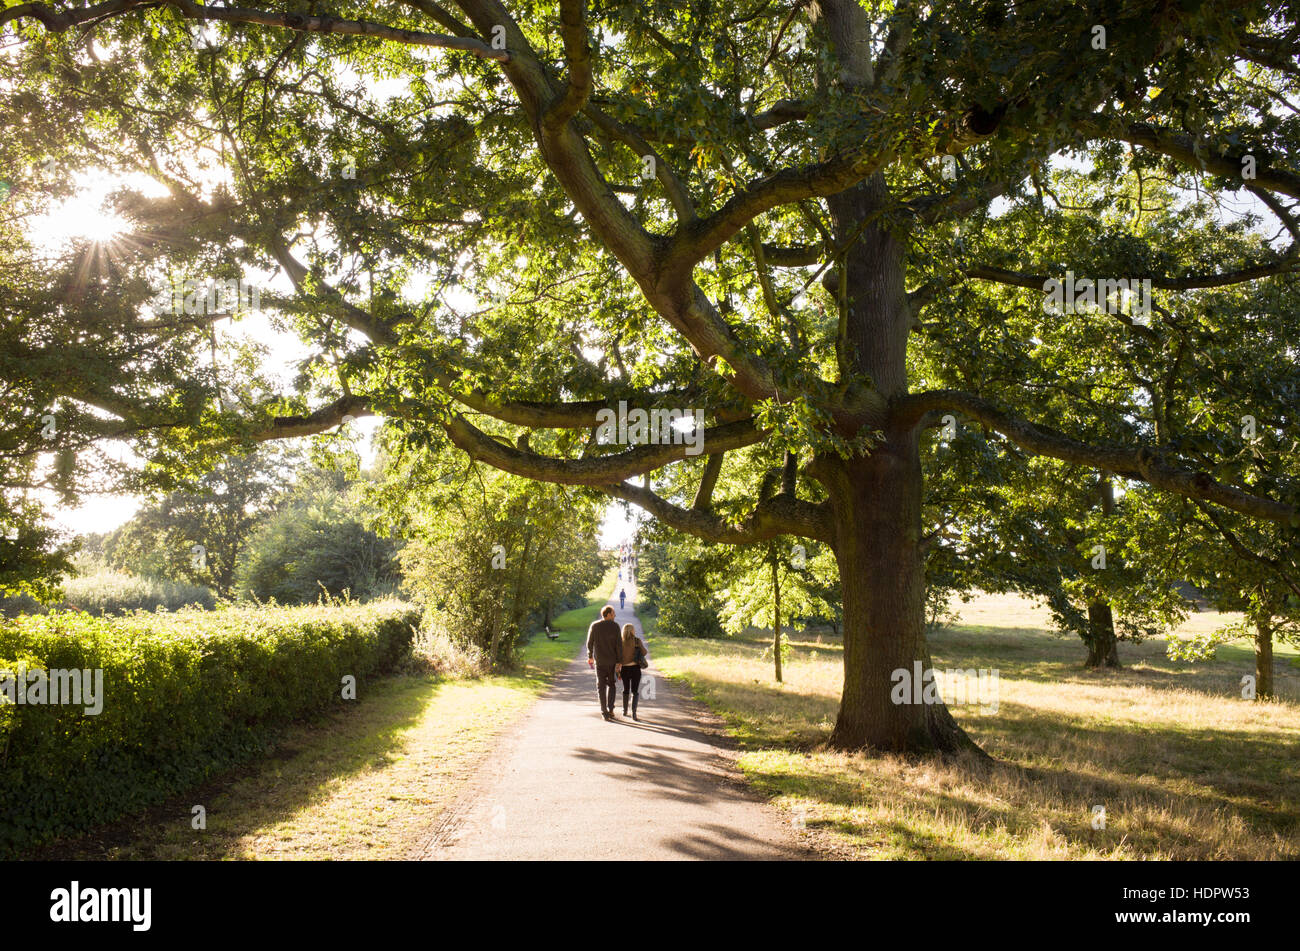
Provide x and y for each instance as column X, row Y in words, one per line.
column 635, row 657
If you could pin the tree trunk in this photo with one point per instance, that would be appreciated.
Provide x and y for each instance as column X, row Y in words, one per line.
column 876, row 503
column 1103, row 647
column 1263, row 661
column 875, row 499
column 776, row 615
column 882, row 577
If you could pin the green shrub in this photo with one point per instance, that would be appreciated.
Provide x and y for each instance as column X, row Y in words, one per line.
column 185, row 694
column 305, row 548
column 116, row 592
column 107, row 591
column 436, row 650
column 683, row 616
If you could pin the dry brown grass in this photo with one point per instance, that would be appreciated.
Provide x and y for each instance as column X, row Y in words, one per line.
column 1184, row 767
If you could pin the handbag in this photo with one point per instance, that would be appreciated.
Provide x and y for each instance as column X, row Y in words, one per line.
column 640, row 656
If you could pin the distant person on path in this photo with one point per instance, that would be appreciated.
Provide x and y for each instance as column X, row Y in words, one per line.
column 605, row 653
column 622, row 598
column 635, row 656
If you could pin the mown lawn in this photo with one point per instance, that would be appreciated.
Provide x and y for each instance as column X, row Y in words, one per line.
column 1184, row 768
column 369, row 783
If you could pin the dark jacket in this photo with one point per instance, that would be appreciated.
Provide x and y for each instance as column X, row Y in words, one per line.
column 605, row 643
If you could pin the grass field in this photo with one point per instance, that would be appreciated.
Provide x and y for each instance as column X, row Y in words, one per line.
column 366, row 784
column 1184, row 768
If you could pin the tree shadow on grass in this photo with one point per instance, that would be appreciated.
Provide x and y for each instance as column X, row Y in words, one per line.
column 1170, row 772
column 1228, row 762
column 765, row 704
column 302, row 761
column 1011, row 801
column 846, row 790
column 1217, row 681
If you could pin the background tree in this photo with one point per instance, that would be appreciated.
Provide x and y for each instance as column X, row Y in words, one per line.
column 768, row 587
column 200, row 534
column 488, row 553
column 317, row 542
column 674, row 587
column 1239, row 566
column 62, row 340
column 1191, row 378
column 33, row 556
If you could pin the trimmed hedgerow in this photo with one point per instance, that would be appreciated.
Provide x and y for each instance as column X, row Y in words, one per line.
column 185, row 694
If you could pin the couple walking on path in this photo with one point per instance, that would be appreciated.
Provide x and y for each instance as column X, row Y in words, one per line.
column 616, row 654
column 557, row 787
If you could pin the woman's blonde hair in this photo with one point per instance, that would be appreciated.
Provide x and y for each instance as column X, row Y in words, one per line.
column 629, row 633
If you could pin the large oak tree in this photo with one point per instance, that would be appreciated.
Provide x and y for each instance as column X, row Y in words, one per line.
column 502, row 219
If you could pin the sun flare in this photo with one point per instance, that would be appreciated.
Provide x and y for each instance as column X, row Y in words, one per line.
column 96, row 224
column 87, row 215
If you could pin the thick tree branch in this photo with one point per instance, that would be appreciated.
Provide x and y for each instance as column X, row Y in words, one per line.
column 325, row 418
column 593, row 470
column 958, row 203
column 781, row 112
column 306, row 23
column 577, row 55
column 678, row 195
column 1273, row 53
column 1240, row 547
column 1141, row 463
column 1194, row 153
column 442, row 16
column 803, row 255
column 677, row 298
column 562, row 146
column 694, row 241
column 59, row 20
column 1284, row 263
column 780, row 515
column 708, row 482
column 579, row 414
column 1283, row 215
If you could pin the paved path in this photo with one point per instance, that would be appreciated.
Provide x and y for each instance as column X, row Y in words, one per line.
column 564, row 784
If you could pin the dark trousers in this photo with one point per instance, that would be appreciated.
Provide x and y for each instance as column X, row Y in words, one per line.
column 631, row 674
column 607, row 686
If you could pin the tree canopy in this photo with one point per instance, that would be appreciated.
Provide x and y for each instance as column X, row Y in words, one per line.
column 826, row 226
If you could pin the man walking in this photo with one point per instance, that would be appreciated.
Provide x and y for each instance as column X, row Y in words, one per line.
column 622, row 599
column 604, row 652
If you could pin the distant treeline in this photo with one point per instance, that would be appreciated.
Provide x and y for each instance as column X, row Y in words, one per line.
column 487, row 556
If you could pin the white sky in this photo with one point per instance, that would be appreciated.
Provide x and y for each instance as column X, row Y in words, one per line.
column 618, row 527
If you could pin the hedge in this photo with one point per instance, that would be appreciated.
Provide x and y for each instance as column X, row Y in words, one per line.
column 115, row 592
column 185, row 694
